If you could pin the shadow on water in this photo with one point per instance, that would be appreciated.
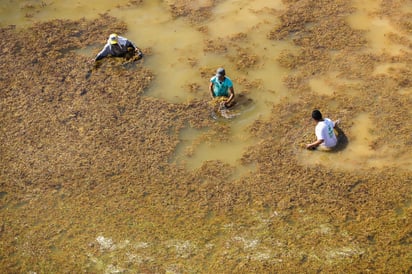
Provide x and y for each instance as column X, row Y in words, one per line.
column 342, row 140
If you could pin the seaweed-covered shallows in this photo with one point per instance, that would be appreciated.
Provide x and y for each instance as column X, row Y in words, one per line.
column 87, row 182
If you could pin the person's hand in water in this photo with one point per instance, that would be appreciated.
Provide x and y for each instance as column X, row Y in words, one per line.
column 310, row 147
column 225, row 104
column 138, row 52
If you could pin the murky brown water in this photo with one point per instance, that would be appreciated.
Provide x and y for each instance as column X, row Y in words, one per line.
column 125, row 168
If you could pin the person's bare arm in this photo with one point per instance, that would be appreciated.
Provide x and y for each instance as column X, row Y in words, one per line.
column 231, row 96
column 314, row 144
column 212, row 95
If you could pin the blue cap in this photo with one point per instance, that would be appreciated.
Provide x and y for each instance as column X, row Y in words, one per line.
column 220, row 72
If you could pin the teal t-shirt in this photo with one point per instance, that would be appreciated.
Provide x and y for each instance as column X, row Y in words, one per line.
column 221, row 88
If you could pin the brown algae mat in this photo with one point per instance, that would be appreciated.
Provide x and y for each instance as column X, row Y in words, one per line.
column 88, row 185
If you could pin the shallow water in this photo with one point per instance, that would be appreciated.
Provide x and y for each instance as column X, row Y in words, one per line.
column 359, row 153
column 180, row 54
column 378, row 28
column 203, row 193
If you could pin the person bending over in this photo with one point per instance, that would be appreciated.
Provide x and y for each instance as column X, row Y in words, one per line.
column 221, row 85
column 118, row 46
column 326, row 138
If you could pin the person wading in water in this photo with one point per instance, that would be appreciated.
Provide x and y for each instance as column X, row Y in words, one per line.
column 222, row 86
column 118, row 46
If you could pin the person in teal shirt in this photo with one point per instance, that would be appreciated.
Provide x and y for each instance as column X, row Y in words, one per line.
column 220, row 85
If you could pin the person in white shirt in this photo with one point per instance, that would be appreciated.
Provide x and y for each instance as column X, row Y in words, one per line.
column 326, row 138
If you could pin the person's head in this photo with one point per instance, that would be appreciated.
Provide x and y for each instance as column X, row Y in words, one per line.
column 317, row 115
column 220, row 73
column 113, row 38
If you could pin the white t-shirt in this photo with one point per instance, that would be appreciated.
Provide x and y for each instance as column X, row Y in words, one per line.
column 324, row 131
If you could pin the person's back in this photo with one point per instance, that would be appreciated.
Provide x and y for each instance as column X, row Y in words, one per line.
column 117, row 46
column 324, row 130
column 325, row 135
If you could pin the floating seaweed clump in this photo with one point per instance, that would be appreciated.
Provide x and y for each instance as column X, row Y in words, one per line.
column 244, row 59
column 195, row 11
column 250, row 84
column 215, row 46
column 301, row 15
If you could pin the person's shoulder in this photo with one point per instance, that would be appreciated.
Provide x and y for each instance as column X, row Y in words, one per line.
column 321, row 124
column 213, row 79
column 328, row 121
column 227, row 79
column 123, row 40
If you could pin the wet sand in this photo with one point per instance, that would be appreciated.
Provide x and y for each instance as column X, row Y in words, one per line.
column 103, row 171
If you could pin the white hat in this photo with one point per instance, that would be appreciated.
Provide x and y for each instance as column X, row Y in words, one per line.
column 113, row 38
